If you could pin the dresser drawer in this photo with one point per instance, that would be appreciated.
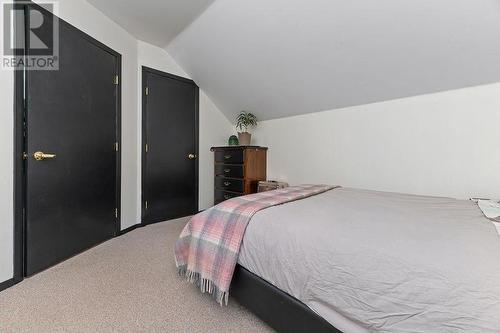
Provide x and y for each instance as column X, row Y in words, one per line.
column 229, row 156
column 233, row 185
column 221, row 196
column 231, row 171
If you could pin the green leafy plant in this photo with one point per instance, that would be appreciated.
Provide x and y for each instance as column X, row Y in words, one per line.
column 246, row 120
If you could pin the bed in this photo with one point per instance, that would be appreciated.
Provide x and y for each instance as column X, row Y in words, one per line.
column 364, row 261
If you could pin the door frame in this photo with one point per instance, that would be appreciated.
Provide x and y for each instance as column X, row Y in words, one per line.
column 20, row 147
column 147, row 70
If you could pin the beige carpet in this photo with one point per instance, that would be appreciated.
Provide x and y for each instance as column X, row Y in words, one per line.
column 128, row 284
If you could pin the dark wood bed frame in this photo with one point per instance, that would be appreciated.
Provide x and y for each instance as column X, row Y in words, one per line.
column 279, row 310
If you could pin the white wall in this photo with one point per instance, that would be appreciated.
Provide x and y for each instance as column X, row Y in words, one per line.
column 445, row 144
column 214, row 128
column 6, row 171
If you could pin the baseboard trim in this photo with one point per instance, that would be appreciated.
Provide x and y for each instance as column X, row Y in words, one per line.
column 13, row 281
column 9, row 283
column 129, row 229
column 145, row 224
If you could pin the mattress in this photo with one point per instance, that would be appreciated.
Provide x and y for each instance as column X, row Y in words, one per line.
column 370, row 261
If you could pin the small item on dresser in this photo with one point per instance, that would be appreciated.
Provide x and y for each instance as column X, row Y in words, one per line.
column 271, row 185
column 233, row 141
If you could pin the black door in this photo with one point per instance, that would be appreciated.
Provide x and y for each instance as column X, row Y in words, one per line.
column 72, row 116
column 170, row 137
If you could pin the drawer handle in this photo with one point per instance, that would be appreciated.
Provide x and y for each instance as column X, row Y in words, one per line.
column 227, row 183
column 227, row 197
column 227, row 170
column 227, row 157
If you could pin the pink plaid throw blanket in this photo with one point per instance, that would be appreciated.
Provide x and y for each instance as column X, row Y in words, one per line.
column 208, row 247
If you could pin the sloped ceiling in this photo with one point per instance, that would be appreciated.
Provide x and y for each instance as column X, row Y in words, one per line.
column 280, row 58
column 154, row 21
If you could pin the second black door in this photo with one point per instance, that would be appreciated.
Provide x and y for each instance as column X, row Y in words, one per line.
column 170, row 147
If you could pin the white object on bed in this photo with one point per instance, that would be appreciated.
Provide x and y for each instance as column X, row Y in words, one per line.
column 491, row 209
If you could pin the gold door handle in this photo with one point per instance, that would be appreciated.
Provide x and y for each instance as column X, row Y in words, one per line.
column 192, row 156
column 40, row 156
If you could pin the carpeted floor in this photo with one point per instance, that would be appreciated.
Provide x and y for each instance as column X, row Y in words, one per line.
column 128, row 284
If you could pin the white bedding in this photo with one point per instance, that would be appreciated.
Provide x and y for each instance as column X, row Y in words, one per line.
column 382, row 262
column 491, row 209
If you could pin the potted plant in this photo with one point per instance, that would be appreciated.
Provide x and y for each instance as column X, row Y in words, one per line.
column 243, row 122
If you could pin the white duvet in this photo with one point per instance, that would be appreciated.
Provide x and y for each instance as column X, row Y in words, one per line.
column 382, row 262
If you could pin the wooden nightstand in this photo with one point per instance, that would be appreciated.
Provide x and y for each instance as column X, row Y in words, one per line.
column 238, row 170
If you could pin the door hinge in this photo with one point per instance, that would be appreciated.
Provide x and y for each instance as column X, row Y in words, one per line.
column 147, row 91
column 116, row 146
column 146, row 148
column 146, row 204
column 116, row 212
column 116, row 80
